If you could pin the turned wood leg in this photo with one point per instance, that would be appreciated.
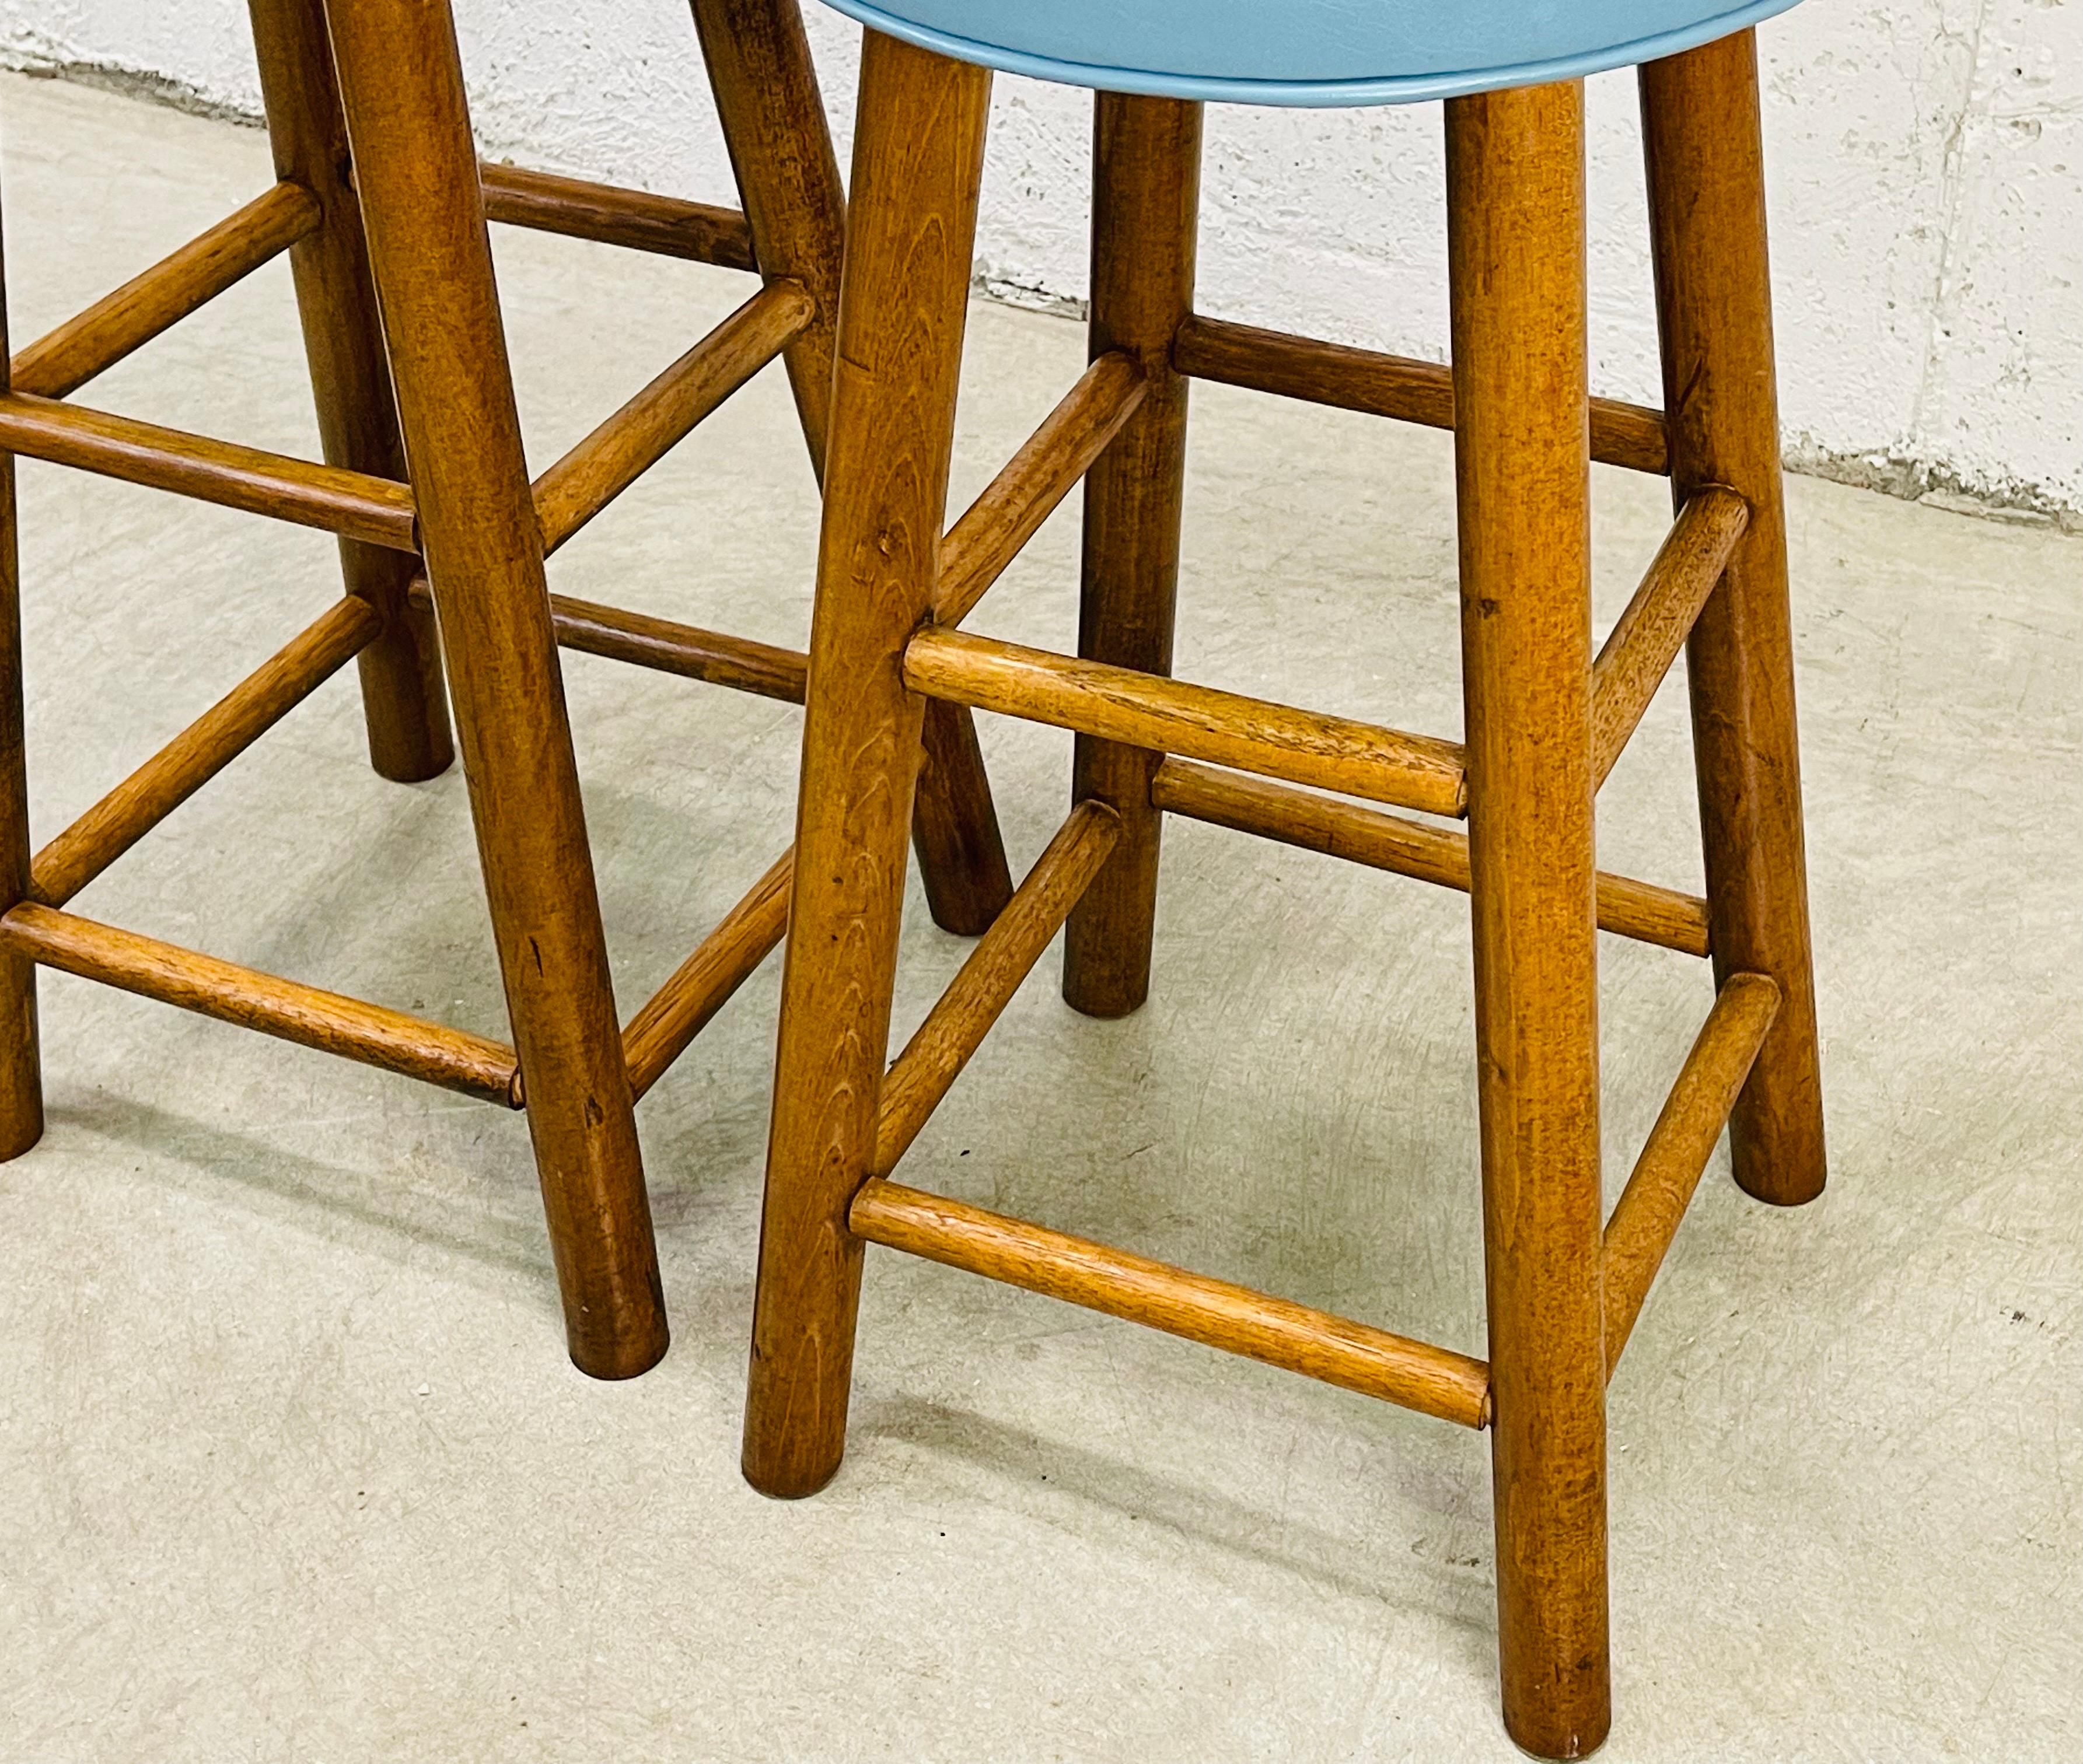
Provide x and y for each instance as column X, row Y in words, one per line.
column 1516, row 191
column 21, row 1063
column 1707, row 218
column 417, row 173
column 402, row 695
column 1147, row 181
column 781, row 143
column 918, row 160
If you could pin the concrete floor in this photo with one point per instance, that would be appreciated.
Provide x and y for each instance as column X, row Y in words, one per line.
column 291, row 1462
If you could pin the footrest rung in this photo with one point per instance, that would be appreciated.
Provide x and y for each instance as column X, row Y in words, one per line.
column 741, row 664
column 1649, row 634
column 707, row 979
column 1652, row 1206
column 1627, row 908
column 954, row 1029
column 980, row 546
column 378, row 511
column 1170, row 716
column 1356, row 1356
column 200, row 751
column 452, row 1058
column 1630, row 436
column 636, row 219
column 662, row 416
column 63, row 360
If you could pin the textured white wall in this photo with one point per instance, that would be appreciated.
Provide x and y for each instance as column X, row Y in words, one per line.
column 1928, row 181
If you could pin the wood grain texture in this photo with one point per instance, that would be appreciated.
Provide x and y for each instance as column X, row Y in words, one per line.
column 452, row 1058
column 994, row 528
column 21, row 1060
column 373, row 510
column 765, row 84
column 1645, row 640
column 614, row 455
column 64, row 360
column 1145, row 224
column 1516, row 252
column 1627, row 908
column 1653, row 1205
column 417, row 169
column 404, row 698
column 706, row 981
column 544, row 202
column 742, row 664
column 1298, row 1337
column 200, row 751
column 918, row 160
column 956, row 1025
column 1714, row 286
column 1393, row 386
column 1157, row 715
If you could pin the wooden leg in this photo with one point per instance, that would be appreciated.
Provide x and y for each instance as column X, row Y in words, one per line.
column 21, row 1063
column 1147, row 194
column 774, row 123
column 417, row 173
column 402, row 694
column 1515, row 193
column 918, row 161
column 1707, row 214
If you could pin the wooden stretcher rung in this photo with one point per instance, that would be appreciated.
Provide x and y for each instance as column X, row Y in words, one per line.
column 1652, row 1206
column 661, row 416
column 991, row 534
column 546, row 203
column 1170, row 716
column 1647, row 637
column 64, row 360
column 1626, row 435
column 705, row 982
column 200, row 751
column 1627, row 908
column 741, row 664
column 452, row 1058
column 376, row 511
column 1006, row 954
column 1298, row 1337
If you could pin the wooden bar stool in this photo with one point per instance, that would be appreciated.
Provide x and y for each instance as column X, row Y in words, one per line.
column 382, row 204
column 1545, row 717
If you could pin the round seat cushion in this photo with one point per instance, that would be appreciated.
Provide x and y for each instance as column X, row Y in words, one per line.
column 1307, row 52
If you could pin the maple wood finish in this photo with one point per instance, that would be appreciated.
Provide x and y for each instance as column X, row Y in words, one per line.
column 1701, row 137
column 405, row 700
column 59, row 363
column 415, row 165
column 1674, row 1157
column 705, row 982
column 200, row 751
column 660, row 417
column 955, row 1027
column 1516, row 252
column 1544, row 722
column 1146, row 226
column 382, row 205
column 1627, row 908
column 901, row 326
column 635, row 220
column 21, row 1063
column 1412, row 1374
column 1149, row 715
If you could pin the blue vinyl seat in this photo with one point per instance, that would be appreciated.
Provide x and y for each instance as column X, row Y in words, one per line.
column 1307, row 52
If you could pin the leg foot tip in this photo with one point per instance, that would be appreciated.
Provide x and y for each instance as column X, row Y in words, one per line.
column 786, row 1481
column 613, row 1362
